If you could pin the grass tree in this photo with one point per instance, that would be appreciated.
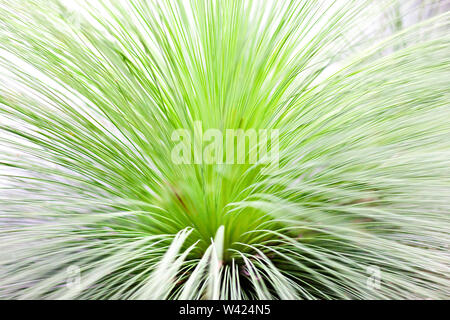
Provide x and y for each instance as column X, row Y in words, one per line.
column 92, row 205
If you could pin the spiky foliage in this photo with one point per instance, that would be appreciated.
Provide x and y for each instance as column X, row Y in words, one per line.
column 91, row 94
